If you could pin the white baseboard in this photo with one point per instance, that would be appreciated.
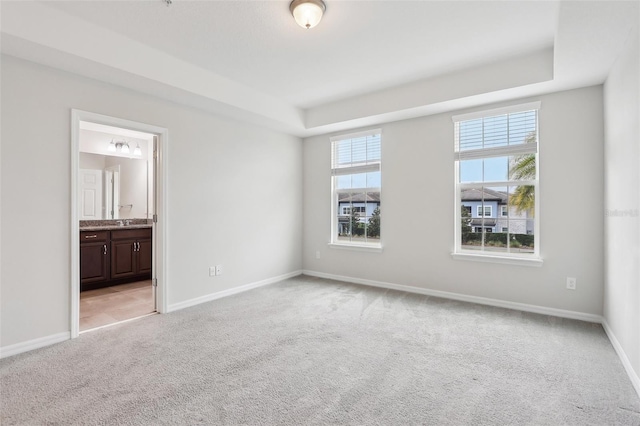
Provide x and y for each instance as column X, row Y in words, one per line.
column 231, row 291
column 30, row 345
column 463, row 297
column 635, row 380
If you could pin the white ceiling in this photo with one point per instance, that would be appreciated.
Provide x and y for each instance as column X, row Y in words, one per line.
column 250, row 60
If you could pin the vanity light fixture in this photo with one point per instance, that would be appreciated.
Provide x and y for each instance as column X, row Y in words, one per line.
column 307, row 13
column 123, row 147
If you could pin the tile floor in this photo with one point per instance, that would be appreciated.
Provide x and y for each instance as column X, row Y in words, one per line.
column 113, row 304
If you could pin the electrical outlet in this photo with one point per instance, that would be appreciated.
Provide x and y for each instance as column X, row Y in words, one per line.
column 318, row 254
column 218, row 270
column 571, row 283
column 212, row 271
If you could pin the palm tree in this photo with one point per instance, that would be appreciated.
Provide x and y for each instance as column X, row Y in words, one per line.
column 524, row 168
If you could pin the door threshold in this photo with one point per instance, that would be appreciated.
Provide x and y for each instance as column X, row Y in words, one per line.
column 119, row 322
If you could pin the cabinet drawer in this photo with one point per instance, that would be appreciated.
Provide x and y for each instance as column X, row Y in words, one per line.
column 93, row 236
column 128, row 234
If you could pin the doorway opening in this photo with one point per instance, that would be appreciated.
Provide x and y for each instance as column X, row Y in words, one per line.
column 118, row 221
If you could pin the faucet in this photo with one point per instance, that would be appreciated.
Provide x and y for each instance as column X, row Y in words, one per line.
column 127, row 222
column 120, row 223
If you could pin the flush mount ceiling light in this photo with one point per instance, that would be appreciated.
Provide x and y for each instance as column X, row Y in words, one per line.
column 307, row 13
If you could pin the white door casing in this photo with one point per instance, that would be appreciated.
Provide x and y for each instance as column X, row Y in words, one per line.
column 159, row 228
column 112, row 192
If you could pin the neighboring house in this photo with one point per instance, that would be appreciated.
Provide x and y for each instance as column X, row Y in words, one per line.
column 490, row 210
column 362, row 203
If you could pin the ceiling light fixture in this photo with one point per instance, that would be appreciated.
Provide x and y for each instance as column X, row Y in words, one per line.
column 137, row 150
column 307, row 13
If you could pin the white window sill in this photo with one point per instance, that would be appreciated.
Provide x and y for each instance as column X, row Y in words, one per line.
column 505, row 260
column 357, row 247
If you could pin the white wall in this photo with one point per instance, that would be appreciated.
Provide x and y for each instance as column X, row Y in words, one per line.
column 213, row 163
column 622, row 202
column 418, row 220
column 91, row 161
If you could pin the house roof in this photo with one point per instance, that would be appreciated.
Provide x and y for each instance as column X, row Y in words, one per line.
column 485, row 194
column 360, row 197
column 483, row 222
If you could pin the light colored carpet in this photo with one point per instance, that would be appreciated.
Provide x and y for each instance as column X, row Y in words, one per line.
column 312, row 351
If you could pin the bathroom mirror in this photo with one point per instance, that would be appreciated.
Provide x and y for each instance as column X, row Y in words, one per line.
column 113, row 185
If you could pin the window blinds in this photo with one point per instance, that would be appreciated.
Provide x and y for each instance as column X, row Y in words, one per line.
column 497, row 133
column 356, row 153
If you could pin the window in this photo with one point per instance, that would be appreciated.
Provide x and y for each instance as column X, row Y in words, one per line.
column 355, row 209
column 496, row 162
column 356, row 183
column 487, row 211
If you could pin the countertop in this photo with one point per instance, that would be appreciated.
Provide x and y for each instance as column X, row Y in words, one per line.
column 113, row 227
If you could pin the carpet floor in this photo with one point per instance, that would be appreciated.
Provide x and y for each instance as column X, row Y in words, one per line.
column 313, row 351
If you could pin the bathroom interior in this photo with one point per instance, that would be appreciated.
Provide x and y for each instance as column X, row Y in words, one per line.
column 115, row 210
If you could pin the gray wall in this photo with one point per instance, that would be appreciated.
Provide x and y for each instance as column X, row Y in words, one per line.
column 417, row 216
column 214, row 163
column 622, row 202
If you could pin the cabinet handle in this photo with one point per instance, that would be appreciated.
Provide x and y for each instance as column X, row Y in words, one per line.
column 138, row 243
column 91, row 236
column 104, row 247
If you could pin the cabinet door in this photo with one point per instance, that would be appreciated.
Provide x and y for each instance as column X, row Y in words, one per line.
column 144, row 256
column 123, row 259
column 94, row 262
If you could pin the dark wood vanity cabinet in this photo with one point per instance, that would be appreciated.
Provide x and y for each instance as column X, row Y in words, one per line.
column 94, row 257
column 114, row 257
column 145, row 257
column 130, row 253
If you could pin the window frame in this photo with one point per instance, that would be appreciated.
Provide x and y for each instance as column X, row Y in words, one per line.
column 522, row 259
column 484, row 208
column 350, row 245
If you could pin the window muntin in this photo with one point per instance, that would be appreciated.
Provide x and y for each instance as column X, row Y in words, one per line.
column 356, row 184
column 496, row 168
